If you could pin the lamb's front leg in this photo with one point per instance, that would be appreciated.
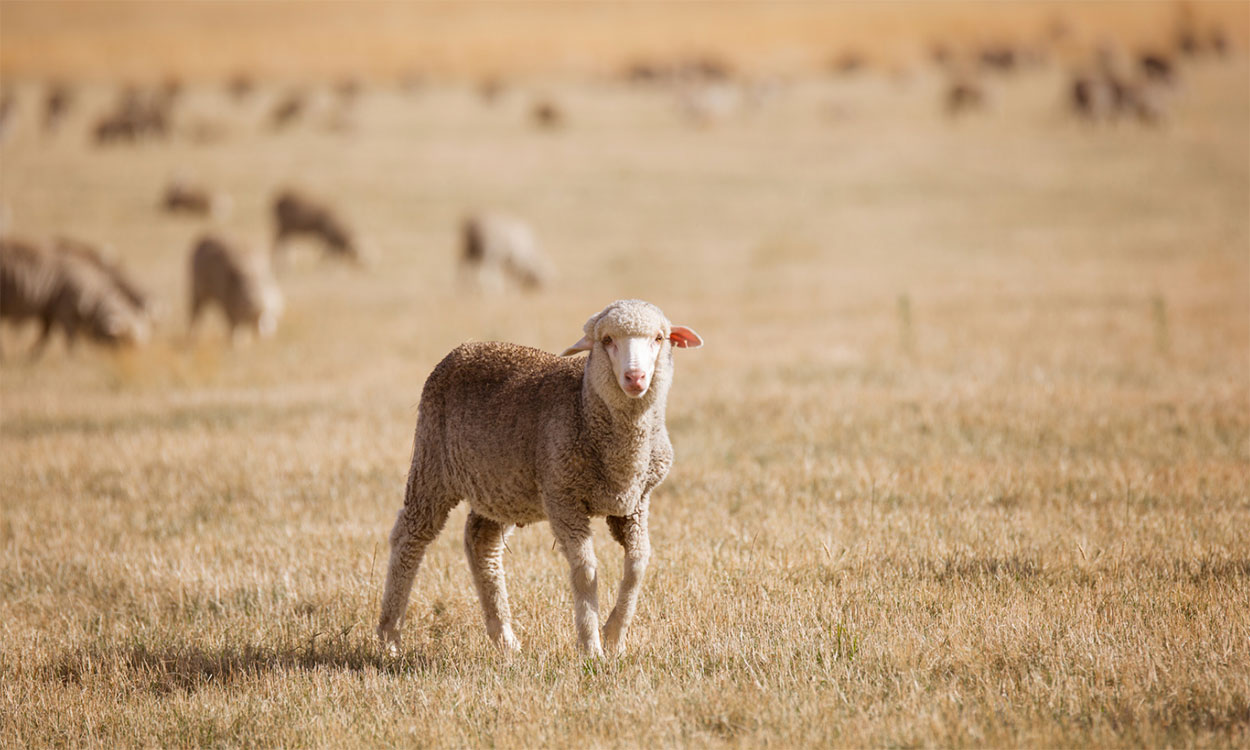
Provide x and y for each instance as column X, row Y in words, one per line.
column 631, row 533
column 573, row 534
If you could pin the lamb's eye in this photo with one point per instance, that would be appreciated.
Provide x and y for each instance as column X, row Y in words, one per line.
column 659, row 337
column 607, row 340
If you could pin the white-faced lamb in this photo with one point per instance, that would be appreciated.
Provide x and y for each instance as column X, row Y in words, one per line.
column 526, row 436
column 239, row 281
column 497, row 248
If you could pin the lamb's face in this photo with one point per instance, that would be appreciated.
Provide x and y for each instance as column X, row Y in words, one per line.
column 635, row 338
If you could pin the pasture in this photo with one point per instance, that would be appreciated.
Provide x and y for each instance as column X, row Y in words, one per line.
column 965, row 460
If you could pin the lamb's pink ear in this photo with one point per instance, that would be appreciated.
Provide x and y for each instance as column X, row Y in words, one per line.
column 685, row 338
column 583, row 345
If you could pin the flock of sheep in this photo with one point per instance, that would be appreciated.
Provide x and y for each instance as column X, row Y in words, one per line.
column 72, row 286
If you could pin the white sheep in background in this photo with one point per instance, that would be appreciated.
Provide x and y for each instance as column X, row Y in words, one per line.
column 527, row 436
column 495, row 248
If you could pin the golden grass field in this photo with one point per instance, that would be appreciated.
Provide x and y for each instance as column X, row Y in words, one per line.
column 965, row 460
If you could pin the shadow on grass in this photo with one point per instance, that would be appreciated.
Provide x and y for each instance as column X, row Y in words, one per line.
column 189, row 667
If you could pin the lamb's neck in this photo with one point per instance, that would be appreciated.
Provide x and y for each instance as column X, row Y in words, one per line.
column 622, row 434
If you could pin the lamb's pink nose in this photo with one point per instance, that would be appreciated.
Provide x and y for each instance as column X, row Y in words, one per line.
column 635, row 380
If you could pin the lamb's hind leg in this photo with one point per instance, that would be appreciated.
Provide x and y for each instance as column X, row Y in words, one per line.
column 631, row 533
column 484, row 546
column 418, row 524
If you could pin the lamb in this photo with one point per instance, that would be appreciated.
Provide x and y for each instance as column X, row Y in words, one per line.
column 496, row 247
column 58, row 289
column 525, row 436
column 239, row 281
column 296, row 214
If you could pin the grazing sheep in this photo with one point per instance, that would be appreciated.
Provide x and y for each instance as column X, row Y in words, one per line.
column 184, row 196
column 707, row 104
column 91, row 255
column 135, row 116
column 58, row 289
column 999, row 57
column 348, row 89
column 849, row 62
column 56, row 104
column 239, row 281
column 297, row 214
column 1087, row 96
column 964, row 95
column 287, row 110
column 547, row 114
column 1156, row 66
column 1108, row 95
column 526, row 436
column 496, row 248
column 491, row 88
column 240, row 85
column 8, row 106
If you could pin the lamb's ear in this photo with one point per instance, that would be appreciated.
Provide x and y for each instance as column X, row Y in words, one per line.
column 685, row 338
column 583, row 345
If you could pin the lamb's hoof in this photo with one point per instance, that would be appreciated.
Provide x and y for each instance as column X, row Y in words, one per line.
column 390, row 640
column 508, row 643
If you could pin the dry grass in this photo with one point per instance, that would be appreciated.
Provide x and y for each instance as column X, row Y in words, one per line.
column 1015, row 515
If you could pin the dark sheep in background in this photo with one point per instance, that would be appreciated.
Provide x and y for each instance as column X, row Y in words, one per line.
column 287, row 110
column 297, row 214
column 239, row 281
column 56, row 105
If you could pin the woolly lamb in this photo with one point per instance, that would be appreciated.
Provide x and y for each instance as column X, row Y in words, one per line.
column 526, row 436
column 297, row 214
column 496, row 247
column 60, row 290
column 238, row 280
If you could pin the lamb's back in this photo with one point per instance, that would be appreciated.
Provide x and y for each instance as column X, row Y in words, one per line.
column 488, row 412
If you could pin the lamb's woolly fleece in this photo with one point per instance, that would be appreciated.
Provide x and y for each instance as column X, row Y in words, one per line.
column 526, row 436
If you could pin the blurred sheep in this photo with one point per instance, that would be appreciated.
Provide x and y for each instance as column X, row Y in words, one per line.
column 183, row 196
column 240, row 86
column 1106, row 95
column 8, row 108
column 547, row 114
column 706, row 104
column 297, row 214
column 97, row 258
column 964, row 94
column 287, row 109
column 59, row 289
column 136, row 115
column 56, row 104
column 496, row 249
column 239, row 281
